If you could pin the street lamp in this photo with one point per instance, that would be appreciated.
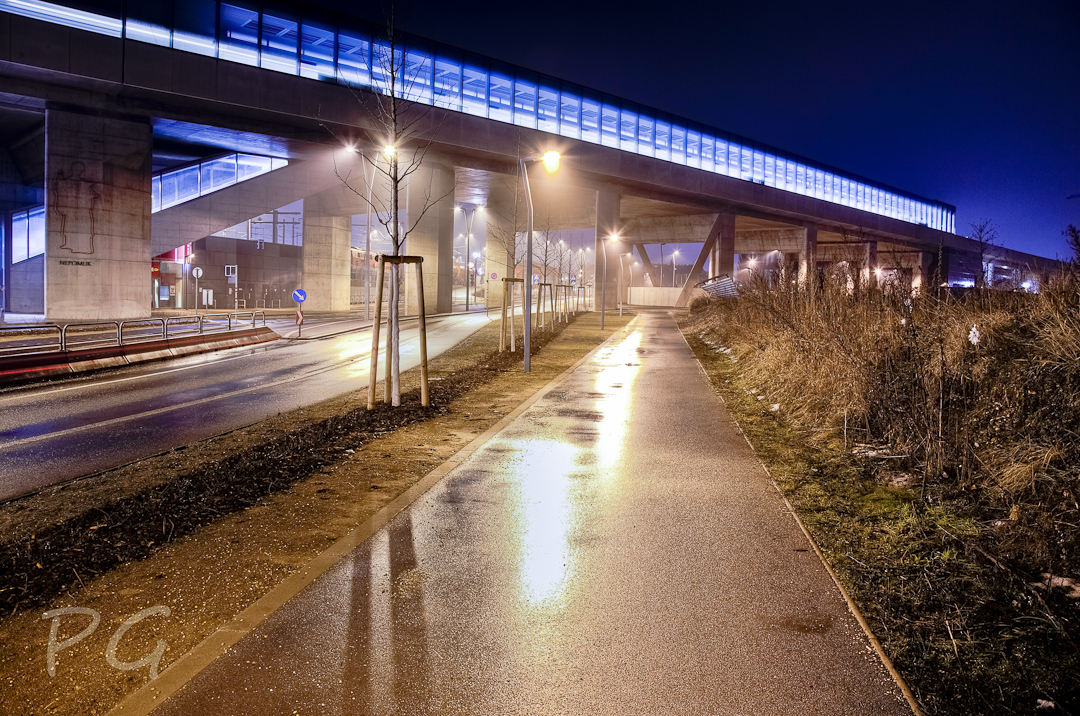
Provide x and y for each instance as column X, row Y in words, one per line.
column 550, row 159
column 468, row 236
column 673, row 255
column 628, row 253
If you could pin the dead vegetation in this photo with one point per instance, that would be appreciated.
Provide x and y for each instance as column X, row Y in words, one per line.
column 932, row 444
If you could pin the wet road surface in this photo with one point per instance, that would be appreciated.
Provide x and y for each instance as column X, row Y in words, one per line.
column 53, row 433
column 617, row 549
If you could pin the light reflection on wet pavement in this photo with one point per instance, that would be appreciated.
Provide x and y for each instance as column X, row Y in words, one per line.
column 617, row 549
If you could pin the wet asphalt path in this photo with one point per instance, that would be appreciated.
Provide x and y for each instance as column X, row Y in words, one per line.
column 617, row 549
column 56, row 432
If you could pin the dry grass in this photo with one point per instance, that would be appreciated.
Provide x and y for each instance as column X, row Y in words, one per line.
column 943, row 469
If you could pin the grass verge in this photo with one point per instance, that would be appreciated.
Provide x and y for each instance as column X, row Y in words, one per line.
column 969, row 633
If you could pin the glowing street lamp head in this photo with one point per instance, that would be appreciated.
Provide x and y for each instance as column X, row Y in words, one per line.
column 614, row 238
column 550, row 160
column 389, row 151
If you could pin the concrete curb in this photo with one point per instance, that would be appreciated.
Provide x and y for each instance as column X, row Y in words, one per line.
column 909, row 695
column 25, row 369
column 177, row 674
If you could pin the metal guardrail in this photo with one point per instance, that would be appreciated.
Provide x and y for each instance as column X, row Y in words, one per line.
column 24, row 340
column 153, row 330
column 720, row 287
column 51, row 338
column 67, row 342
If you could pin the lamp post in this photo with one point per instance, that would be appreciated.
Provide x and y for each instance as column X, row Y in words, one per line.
column 661, row 265
column 550, row 160
column 468, row 236
column 673, row 255
column 619, row 277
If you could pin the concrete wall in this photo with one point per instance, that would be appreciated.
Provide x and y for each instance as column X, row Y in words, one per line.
column 645, row 296
column 97, row 219
column 266, row 277
column 26, row 286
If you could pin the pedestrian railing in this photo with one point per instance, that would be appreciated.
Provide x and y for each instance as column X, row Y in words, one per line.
column 720, row 287
column 50, row 338
column 22, row 340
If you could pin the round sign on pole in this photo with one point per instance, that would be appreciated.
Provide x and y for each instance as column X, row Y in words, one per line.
column 494, row 275
column 196, row 272
column 299, row 295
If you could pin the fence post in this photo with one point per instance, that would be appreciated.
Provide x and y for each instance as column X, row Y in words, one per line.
column 423, row 333
column 373, row 374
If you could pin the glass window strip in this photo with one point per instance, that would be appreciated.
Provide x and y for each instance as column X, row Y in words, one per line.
column 66, row 16
column 254, row 38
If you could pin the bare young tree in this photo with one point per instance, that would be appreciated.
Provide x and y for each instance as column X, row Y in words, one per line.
column 1072, row 237
column 508, row 233
column 402, row 132
column 985, row 234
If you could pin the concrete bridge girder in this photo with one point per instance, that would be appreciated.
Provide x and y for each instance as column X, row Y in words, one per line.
column 206, row 215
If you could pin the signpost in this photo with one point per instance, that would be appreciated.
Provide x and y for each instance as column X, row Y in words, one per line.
column 197, row 273
column 299, row 295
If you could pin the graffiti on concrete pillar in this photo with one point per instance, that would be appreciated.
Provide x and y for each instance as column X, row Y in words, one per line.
column 75, row 199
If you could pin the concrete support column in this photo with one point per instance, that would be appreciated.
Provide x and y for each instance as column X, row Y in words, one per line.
column 654, row 275
column 808, row 256
column 97, row 218
column 498, row 262
column 724, row 249
column 607, row 223
column 430, row 192
column 939, row 267
column 327, row 235
column 870, row 264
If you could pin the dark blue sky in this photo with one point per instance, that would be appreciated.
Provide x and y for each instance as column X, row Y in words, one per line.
column 976, row 104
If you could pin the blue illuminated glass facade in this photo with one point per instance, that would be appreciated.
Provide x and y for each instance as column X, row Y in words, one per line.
column 293, row 39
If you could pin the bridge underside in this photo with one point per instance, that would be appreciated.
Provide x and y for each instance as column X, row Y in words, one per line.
column 78, row 157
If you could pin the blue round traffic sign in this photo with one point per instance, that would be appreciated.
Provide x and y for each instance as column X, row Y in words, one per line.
column 299, row 295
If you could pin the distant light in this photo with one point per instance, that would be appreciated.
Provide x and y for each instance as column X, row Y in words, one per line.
column 551, row 161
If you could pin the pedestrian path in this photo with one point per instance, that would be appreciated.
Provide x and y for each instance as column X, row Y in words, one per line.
column 616, row 549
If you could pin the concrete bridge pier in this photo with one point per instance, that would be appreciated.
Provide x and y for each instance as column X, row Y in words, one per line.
column 428, row 201
column 870, row 265
column 97, row 216
column 607, row 223
column 808, row 257
column 327, row 236
column 501, row 237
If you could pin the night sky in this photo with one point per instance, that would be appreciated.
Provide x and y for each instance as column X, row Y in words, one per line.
column 976, row 104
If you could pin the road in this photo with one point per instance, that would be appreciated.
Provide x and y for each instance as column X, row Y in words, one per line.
column 617, row 548
column 54, row 433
